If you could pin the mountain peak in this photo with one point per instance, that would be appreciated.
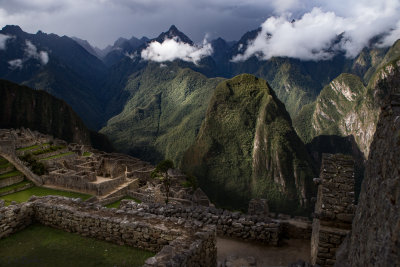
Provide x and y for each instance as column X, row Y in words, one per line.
column 173, row 28
column 12, row 29
column 173, row 32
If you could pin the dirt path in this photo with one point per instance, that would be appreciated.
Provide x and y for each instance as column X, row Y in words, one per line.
column 291, row 251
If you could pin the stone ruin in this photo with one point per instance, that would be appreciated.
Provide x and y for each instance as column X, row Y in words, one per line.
column 108, row 176
column 258, row 207
column 176, row 242
column 334, row 210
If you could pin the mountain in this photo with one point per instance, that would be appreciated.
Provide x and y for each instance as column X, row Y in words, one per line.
column 58, row 65
column 122, row 48
column 172, row 33
column 247, row 148
column 163, row 112
column 88, row 47
column 348, row 107
column 21, row 106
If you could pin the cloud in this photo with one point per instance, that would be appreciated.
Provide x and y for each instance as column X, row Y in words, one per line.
column 172, row 49
column 3, row 41
column 314, row 35
column 16, row 64
column 392, row 36
column 31, row 52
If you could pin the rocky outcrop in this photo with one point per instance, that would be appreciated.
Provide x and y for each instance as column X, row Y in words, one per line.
column 247, row 148
column 375, row 236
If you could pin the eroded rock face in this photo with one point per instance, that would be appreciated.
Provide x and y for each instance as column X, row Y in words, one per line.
column 375, row 237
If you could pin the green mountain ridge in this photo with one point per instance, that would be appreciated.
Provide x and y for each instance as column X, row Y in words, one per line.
column 247, row 148
column 347, row 107
column 163, row 114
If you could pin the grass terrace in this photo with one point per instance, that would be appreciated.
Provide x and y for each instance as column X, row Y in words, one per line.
column 116, row 203
column 24, row 195
column 58, row 156
column 10, row 174
column 39, row 245
column 14, row 186
column 87, row 154
column 31, row 147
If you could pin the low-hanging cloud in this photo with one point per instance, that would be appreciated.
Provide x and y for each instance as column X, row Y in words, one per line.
column 3, row 41
column 30, row 51
column 315, row 36
column 16, row 64
column 172, row 49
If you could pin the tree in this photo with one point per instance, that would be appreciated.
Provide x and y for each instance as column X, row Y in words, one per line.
column 161, row 172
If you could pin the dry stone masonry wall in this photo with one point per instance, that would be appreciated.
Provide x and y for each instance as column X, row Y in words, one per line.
column 334, row 210
column 178, row 242
column 229, row 224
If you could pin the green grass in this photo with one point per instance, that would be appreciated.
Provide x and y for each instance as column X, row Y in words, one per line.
column 116, row 203
column 30, row 147
column 5, row 165
column 47, row 150
column 14, row 186
column 87, row 154
column 10, row 174
column 3, row 161
column 59, row 155
column 39, row 245
column 23, row 196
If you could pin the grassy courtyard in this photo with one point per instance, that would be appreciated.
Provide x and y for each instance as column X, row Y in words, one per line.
column 39, row 245
column 23, row 196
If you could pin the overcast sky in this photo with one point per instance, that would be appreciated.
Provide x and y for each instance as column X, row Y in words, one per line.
column 101, row 22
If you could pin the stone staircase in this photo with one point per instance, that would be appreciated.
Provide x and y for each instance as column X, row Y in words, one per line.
column 121, row 189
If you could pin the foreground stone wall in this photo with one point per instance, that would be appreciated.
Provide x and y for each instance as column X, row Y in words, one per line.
column 334, row 209
column 14, row 218
column 178, row 242
column 375, row 236
column 229, row 224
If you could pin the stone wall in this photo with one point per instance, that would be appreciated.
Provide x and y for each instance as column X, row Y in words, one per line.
column 334, row 209
column 14, row 218
column 229, row 224
column 11, row 180
column 177, row 242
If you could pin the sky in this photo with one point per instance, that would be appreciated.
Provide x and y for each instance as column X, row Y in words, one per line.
column 317, row 23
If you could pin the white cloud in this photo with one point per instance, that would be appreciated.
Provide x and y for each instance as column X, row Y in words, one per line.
column 16, row 64
column 172, row 49
column 311, row 37
column 392, row 36
column 3, row 41
column 31, row 52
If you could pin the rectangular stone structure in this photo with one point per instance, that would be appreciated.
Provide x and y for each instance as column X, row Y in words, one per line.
column 334, row 209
